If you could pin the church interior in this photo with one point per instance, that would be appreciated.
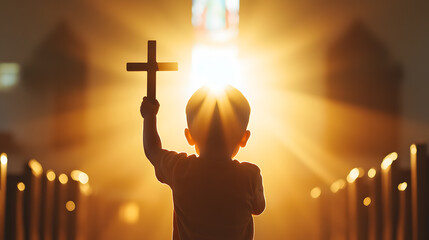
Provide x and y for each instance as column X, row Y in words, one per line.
column 333, row 86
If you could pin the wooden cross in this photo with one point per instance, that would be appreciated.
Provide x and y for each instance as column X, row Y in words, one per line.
column 151, row 67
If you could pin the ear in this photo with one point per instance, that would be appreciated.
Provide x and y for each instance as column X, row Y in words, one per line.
column 188, row 136
column 244, row 139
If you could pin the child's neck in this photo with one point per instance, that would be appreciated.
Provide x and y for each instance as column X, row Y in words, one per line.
column 215, row 155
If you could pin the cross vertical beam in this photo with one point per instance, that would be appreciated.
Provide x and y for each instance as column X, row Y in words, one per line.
column 153, row 67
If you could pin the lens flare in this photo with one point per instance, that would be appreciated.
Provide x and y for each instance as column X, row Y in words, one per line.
column 129, row 212
column 215, row 67
column 20, row 186
column 70, row 206
column 85, row 189
column 79, row 176
column 388, row 160
column 372, row 172
column 315, row 192
column 402, row 186
column 36, row 167
column 413, row 149
column 50, row 175
column 337, row 185
column 63, row 178
column 353, row 175
column 367, row 201
column 3, row 158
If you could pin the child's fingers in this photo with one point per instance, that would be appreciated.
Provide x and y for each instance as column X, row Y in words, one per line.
column 155, row 103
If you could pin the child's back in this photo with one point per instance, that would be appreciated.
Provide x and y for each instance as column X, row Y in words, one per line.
column 214, row 196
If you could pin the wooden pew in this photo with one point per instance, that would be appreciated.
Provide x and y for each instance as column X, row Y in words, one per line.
column 396, row 201
column 39, row 205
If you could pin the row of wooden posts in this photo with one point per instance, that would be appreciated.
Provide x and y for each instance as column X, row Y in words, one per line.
column 41, row 205
column 383, row 203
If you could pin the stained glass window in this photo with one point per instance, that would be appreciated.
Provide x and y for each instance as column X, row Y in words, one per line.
column 216, row 19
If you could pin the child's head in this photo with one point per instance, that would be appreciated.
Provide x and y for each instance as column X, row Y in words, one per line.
column 217, row 121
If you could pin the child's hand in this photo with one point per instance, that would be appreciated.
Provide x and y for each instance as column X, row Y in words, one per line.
column 148, row 108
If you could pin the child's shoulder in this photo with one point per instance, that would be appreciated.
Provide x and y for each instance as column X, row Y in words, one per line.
column 177, row 155
column 248, row 166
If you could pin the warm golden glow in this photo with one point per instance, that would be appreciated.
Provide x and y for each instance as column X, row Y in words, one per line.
column 372, row 172
column 388, row 160
column 70, row 206
column 215, row 66
column 80, row 176
column 402, row 186
column 361, row 172
column 36, row 167
column 337, row 185
column 20, row 186
column 85, row 189
column 353, row 175
column 63, row 178
column 341, row 183
column 50, row 175
column 315, row 192
column 367, row 201
column 75, row 175
column 413, row 149
column 334, row 187
column 3, row 158
column 129, row 212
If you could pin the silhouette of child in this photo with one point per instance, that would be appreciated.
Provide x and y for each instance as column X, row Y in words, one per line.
column 214, row 196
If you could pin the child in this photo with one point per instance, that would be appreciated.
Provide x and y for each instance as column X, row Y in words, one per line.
column 214, row 196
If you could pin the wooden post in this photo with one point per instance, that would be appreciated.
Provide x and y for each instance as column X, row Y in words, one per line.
column 324, row 201
column 47, row 216
column 374, row 208
column 353, row 201
column 81, row 198
column 21, row 230
column 419, row 192
column 11, row 206
column 363, row 202
column 32, row 199
column 83, row 212
column 338, row 206
column 358, row 213
column 322, row 212
column 387, row 196
column 404, row 218
column 72, row 203
column 3, row 177
column 60, row 227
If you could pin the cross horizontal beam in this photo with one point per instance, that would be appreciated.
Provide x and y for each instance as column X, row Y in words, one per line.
column 168, row 66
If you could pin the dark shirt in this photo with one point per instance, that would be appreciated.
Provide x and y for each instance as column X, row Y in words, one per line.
column 212, row 199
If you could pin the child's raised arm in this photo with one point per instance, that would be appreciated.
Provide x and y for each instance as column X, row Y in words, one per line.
column 151, row 141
